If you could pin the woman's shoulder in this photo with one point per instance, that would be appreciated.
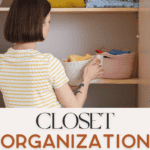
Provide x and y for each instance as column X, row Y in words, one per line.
column 1, row 56
column 48, row 56
column 43, row 55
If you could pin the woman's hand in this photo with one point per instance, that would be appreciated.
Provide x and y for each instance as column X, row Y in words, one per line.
column 93, row 70
column 66, row 95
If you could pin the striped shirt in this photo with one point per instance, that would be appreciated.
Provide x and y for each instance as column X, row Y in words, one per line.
column 27, row 79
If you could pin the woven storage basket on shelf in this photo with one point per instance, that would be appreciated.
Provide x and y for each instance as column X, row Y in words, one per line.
column 118, row 66
column 74, row 70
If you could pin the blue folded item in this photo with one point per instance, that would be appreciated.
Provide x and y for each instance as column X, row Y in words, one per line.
column 115, row 52
column 104, row 3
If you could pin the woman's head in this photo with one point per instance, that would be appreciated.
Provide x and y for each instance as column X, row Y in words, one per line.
column 27, row 21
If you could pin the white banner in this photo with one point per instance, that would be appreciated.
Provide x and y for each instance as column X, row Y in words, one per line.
column 85, row 128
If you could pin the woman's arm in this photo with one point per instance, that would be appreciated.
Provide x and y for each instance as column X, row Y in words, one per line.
column 67, row 97
column 65, row 94
column 73, row 87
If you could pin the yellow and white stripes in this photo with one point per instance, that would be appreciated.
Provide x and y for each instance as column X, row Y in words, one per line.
column 27, row 79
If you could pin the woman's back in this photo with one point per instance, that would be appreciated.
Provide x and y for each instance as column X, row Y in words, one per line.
column 27, row 78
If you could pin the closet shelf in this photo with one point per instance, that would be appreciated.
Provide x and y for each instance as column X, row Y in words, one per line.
column 85, row 10
column 92, row 10
column 121, row 81
column 118, row 81
column 4, row 8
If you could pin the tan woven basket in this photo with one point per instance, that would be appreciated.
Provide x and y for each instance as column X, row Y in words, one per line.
column 118, row 66
column 74, row 71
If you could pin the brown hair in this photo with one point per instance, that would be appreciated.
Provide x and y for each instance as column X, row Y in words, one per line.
column 25, row 21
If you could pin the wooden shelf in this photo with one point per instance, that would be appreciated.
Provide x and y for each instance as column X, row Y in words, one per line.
column 92, row 10
column 112, row 81
column 85, row 10
column 124, row 81
column 121, row 81
column 4, row 8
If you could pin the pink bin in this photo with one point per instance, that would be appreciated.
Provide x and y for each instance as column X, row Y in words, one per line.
column 118, row 66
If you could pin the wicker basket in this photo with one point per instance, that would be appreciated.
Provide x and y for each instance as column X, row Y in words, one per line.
column 118, row 66
column 74, row 71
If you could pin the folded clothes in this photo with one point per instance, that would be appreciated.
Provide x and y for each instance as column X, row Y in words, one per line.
column 73, row 58
column 109, row 3
column 115, row 52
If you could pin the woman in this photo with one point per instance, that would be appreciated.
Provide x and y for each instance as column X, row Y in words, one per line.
column 29, row 78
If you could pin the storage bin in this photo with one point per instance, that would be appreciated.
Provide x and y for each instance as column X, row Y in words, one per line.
column 74, row 70
column 118, row 66
column 66, row 3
